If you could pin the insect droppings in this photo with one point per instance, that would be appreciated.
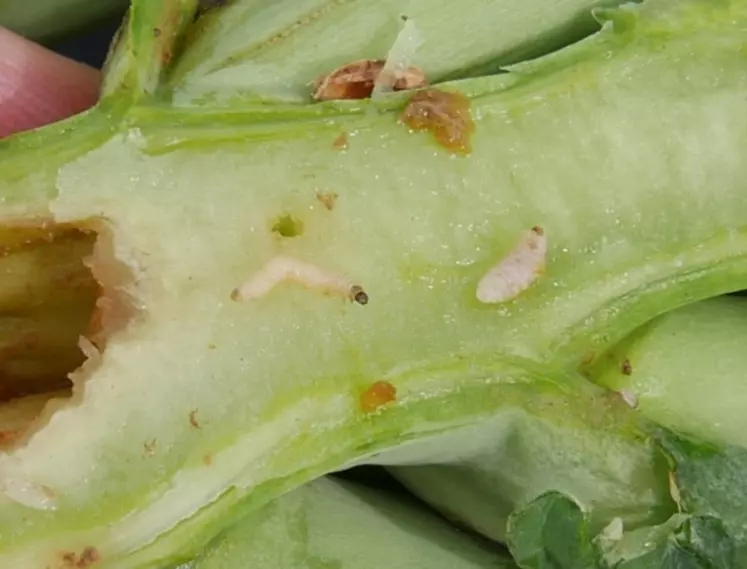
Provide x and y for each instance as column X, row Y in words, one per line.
column 328, row 199
column 88, row 557
column 149, row 447
column 193, row 422
column 446, row 115
column 517, row 271
column 377, row 395
column 341, row 141
column 358, row 295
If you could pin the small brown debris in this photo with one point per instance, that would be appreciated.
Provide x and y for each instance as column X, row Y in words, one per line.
column 537, row 230
column 328, row 199
column 167, row 56
column 211, row 346
column 377, row 395
column 193, row 419
column 446, row 115
column 156, row 32
column 207, row 460
column 341, row 142
column 357, row 294
column 357, row 80
column 150, row 447
column 626, row 367
column 88, row 557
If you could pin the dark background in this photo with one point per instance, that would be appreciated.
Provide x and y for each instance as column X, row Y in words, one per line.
column 90, row 47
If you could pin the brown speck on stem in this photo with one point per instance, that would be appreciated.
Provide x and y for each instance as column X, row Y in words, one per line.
column 156, row 32
column 327, row 199
column 150, row 447
column 88, row 557
column 626, row 367
column 357, row 294
column 341, row 142
column 212, row 346
column 357, row 80
column 446, row 115
column 193, row 419
column 377, row 396
column 166, row 57
column 207, row 460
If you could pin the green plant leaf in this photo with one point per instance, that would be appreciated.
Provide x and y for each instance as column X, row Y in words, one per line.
column 709, row 480
column 552, row 533
column 700, row 542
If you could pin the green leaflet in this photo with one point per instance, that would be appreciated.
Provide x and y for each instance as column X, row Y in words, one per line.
column 329, row 524
column 698, row 543
column 552, row 533
column 710, row 480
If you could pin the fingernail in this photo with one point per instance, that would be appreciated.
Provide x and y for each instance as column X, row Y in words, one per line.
column 38, row 86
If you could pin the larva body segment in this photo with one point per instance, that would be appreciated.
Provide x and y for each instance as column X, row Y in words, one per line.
column 517, row 271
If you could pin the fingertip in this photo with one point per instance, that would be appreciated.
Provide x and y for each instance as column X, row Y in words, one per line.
column 38, row 86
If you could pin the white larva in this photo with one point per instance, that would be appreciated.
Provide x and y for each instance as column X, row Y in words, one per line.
column 516, row 272
column 287, row 269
